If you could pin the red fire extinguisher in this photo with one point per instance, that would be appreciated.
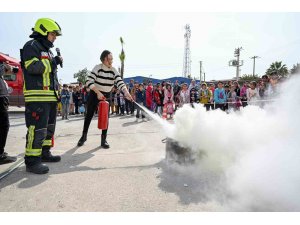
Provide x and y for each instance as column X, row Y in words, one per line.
column 103, row 115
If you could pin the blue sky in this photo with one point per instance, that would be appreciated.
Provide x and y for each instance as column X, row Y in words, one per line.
column 154, row 42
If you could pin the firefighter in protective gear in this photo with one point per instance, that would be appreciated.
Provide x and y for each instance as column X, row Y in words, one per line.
column 41, row 94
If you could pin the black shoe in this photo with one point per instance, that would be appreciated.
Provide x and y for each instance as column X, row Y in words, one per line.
column 37, row 168
column 4, row 159
column 48, row 157
column 34, row 165
column 82, row 139
column 104, row 143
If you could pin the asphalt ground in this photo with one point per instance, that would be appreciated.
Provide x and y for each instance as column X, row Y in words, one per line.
column 132, row 175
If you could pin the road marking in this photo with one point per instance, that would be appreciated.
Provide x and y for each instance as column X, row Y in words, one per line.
column 11, row 168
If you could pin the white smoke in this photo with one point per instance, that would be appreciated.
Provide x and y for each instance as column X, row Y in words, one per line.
column 257, row 149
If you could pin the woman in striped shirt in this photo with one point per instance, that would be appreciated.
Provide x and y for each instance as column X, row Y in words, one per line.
column 101, row 81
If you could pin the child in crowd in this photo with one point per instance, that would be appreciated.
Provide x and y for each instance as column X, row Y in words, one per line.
column 117, row 101
column 205, row 96
column 220, row 96
column 112, row 102
column 252, row 94
column 149, row 95
column 140, row 96
column 59, row 105
column 65, row 101
column 184, row 95
column 72, row 105
column 194, row 96
column 122, row 103
column 169, row 100
column 227, row 90
column 232, row 99
column 86, row 98
column 243, row 95
column 159, row 99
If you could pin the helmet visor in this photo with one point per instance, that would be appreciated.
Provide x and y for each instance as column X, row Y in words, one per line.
column 58, row 32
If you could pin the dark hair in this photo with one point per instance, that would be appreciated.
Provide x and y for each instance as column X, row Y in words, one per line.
column 65, row 85
column 220, row 82
column 104, row 54
column 253, row 83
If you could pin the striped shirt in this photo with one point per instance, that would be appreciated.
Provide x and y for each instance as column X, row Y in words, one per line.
column 104, row 78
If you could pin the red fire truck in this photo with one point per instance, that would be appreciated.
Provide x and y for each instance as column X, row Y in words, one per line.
column 14, row 81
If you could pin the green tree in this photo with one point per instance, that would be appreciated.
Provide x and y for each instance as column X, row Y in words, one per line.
column 122, row 58
column 249, row 77
column 81, row 75
column 295, row 69
column 277, row 68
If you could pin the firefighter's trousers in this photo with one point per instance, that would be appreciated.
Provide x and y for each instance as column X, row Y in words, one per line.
column 40, row 120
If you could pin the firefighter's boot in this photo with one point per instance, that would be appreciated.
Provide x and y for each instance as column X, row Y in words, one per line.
column 48, row 157
column 34, row 165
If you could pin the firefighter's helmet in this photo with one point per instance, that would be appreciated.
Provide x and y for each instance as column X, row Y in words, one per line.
column 45, row 25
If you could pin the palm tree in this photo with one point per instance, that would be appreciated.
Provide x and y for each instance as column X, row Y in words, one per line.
column 295, row 69
column 122, row 57
column 277, row 68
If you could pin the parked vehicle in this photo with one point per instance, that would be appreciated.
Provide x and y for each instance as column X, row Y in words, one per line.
column 14, row 81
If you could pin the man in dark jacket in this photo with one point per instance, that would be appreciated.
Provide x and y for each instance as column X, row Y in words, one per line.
column 41, row 94
column 4, row 119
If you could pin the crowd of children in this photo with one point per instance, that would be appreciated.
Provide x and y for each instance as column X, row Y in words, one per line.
column 165, row 98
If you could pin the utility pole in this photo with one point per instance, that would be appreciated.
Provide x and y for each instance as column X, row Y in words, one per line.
column 200, row 71
column 187, row 52
column 237, row 63
column 204, row 77
column 254, row 57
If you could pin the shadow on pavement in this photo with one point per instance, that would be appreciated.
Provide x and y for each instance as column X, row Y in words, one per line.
column 72, row 119
column 189, row 183
column 126, row 116
column 70, row 163
column 192, row 187
column 129, row 124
